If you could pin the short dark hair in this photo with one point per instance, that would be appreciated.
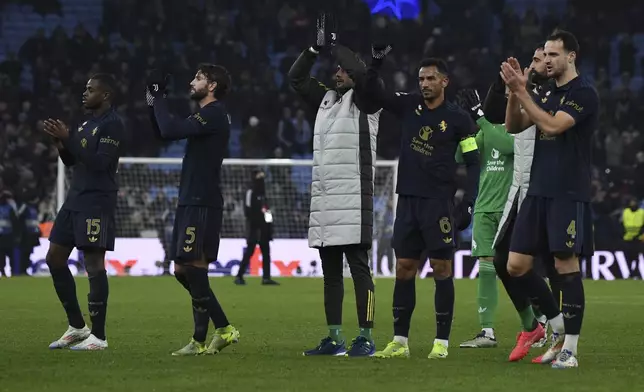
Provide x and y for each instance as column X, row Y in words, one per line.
column 216, row 73
column 440, row 64
column 568, row 39
column 107, row 82
column 540, row 46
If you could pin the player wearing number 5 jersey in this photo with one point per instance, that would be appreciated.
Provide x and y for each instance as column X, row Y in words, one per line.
column 197, row 225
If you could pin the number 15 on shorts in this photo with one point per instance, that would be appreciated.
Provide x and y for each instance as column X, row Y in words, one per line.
column 93, row 229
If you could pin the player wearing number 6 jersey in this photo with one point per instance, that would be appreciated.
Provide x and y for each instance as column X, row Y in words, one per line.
column 197, row 224
column 431, row 131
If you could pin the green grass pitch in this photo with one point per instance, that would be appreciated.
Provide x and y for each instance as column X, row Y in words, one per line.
column 150, row 317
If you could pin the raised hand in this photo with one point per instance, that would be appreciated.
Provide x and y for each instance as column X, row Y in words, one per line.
column 380, row 51
column 326, row 34
column 513, row 78
column 514, row 63
column 470, row 101
column 156, row 83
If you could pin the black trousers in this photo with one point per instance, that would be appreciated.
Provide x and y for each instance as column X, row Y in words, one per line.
column 19, row 260
column 257, row 235
column 332, row 267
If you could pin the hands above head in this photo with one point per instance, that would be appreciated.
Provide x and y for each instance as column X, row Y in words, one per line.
column 379, row 51
column 326, row 34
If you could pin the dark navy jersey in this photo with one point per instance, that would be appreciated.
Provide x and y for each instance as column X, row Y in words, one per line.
column 207, row 132
column 93, row 149
column 561, row 167
column 429, row 140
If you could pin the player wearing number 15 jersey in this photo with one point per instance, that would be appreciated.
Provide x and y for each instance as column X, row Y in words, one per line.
column 86, row 220
column 197, row 225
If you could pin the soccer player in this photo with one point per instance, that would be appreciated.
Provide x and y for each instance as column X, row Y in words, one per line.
column 341, row 220
column 556, row 211
column 197, row 224
column 496, row 148
column 522, row 147
column 495, row 107
column 432, row 130
column 86, row 219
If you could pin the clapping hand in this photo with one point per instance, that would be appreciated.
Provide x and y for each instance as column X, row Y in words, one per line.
column 512, row 76
column 56, row 129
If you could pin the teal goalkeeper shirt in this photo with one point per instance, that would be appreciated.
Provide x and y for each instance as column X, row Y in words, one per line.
column 496, row 148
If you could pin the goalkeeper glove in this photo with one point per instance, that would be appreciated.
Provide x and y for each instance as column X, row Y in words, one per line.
column 469, row 100
column 156, row 86
column 326, row 34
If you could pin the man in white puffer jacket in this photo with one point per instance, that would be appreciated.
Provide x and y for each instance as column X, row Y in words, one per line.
column 342, row 188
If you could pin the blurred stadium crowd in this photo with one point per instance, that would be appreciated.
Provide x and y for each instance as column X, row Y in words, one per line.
column 49, row 48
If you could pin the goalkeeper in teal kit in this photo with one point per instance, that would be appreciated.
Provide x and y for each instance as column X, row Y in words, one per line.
column 496, row 148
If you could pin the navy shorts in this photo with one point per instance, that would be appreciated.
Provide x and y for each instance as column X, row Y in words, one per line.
column 423, row 225
column 84, row 229
column 196, row 234
column 560, row 226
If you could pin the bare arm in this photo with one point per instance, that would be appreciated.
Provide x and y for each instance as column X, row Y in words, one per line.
column 516, row 120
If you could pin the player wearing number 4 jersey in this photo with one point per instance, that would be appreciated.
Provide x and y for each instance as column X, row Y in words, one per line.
column 195, row 237
column 86, row 220
column 556, row 212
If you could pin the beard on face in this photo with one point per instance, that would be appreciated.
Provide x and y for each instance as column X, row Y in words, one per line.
column 198, row 95
column 537, row 78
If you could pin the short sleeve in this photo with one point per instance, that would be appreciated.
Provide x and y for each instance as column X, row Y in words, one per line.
column 580, row 103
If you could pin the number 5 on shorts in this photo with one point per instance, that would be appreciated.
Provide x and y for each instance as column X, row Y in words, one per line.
column 190, row 232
